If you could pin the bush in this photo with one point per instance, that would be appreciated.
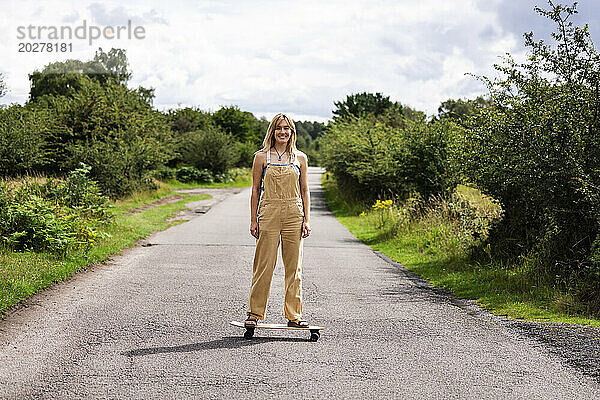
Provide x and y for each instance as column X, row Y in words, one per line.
column 537, row 150
column 240, row 174
column 474, row 212
column 121, row 165
column 54, row 216
column 22, row 140
column 245, row 154
column 79, row 193
column 188, row 119
column 223, row 178
column 210, row 149
column 111, row 128
column 33, row 224
column 193, row 174
column 241, row 125
column 165, row 173
column 371, row 159
column 359, row 155
column 451, row 223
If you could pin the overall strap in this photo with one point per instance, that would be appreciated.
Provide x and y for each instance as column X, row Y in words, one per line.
column 268, row 156
column 294, row 158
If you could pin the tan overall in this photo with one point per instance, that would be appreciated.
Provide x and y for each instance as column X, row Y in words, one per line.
column 280, row 215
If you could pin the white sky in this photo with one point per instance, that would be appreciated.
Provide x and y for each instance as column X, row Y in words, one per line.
column 289, row 56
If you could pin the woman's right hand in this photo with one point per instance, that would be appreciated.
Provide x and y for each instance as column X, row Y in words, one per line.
column 254, row 229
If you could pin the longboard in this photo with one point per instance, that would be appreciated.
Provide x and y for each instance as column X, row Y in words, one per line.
column 314, row 330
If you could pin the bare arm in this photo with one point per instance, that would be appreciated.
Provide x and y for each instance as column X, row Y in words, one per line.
column 257, row 167
column 305, row 193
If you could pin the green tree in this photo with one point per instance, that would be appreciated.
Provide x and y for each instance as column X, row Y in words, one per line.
column 361, row 104
column 188, row 119
column 307, row 128
column 22, row 139
column 537, row 150
column 385, row 110
column 242, row 125
column 114, row 64
column 372, row 160
column 111, row 128
column 211, row 149
column 406, row 112
column 460, row 110
column 64, row 78
column 306, row 140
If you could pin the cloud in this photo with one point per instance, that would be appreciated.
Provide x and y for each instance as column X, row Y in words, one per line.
column 489, row 33
column 120, row 15
column 39, row 11
column 519, row 17
column 422, row 68
column 71, row 18
column 267, row 56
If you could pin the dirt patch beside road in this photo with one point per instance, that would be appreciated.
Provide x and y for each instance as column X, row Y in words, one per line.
column 166, row 200
column 195, row 208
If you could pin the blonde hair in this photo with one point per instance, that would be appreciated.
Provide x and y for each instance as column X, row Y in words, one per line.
column 269, row 140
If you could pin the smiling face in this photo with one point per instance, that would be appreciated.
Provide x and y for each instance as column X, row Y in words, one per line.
column 283, row 132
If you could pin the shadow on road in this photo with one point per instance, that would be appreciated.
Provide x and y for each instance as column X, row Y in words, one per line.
column 317, row 201
column 230, row 342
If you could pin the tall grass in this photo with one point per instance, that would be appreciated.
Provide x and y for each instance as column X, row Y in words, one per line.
column 24, row 273
column 436, row 239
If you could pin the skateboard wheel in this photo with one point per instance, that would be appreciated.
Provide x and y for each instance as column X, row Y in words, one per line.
column 314, row 336
column 249, row 333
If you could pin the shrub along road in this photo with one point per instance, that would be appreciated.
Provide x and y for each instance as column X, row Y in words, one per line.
column 153, row 323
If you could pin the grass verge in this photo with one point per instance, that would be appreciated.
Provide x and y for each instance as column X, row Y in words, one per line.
column 431, row 249
column 24, row 273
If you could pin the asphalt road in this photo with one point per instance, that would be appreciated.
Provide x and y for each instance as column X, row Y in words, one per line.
column 153, row 323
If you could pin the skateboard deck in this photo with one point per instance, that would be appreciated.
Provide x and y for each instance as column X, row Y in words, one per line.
column 314, row 330
column 277, row 326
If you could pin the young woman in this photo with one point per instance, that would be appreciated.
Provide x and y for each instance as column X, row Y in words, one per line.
column 279, row 211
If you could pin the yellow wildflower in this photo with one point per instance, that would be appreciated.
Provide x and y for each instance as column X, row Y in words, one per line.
column 382, row 204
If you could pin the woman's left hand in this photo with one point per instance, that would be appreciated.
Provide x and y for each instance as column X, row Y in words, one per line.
column 305, row 229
